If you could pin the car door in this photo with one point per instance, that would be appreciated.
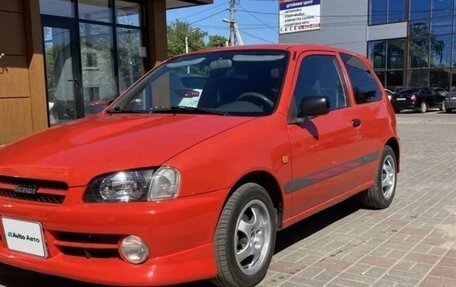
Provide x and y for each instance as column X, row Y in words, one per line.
column 325, row 149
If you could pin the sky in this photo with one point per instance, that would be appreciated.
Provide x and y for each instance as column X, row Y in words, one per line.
column 257, row 19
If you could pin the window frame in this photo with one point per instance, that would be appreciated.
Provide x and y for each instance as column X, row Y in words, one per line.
column 292, row 110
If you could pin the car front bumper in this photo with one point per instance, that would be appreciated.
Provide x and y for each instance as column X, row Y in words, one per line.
column 179, row 234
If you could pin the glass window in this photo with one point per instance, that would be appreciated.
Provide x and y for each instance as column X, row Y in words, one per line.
column 64, row 8
column 441, row 51
column 396, row 11
column 396, row 54
column 419, row 45
column 228, row 82
column 394, row 79
column 377, row 12
column 99, row 84
column 60, row 75
column 377, row 54
column 381, row 77
column 131, row 64
column 442, row 16
column 128, row 13
column 95, row 10
column 439, row 78
column 365, row 87
column 320, row 76
column 417, row 78
column 420, row 9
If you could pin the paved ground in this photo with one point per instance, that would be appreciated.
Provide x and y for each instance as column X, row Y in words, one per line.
column 413, row 243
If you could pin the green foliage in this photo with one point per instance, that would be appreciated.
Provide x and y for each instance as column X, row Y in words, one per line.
column 216, row 41
column 178, row 30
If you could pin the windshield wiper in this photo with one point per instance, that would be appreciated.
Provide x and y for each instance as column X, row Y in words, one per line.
column 118, row 110
column 184, row 109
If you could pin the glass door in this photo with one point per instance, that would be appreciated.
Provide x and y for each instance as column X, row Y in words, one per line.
column 62, row 73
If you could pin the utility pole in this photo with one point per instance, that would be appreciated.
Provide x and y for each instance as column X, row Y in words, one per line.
column 232, row 21
column 235, row 35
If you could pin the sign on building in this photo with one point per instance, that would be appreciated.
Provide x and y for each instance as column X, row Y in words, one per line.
column 298, row 16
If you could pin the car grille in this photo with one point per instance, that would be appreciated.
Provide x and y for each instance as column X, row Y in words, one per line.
column 48, row 192
column 87, row 245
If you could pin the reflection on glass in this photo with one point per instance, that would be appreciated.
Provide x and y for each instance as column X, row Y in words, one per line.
column 377, row 54
column 417, row 78
column 439, row 78
column 59, row 75
column 95, row 10
column 396, row 54
column 128, row 13
column 396, row 11
column 419, row 45
column 131, row 65
column 394, row 79
column 420, row 9
column 99, row 86
column 441, row 25
column 377, row 12
column 64, row 8
column 381, row 77
column 441, row 51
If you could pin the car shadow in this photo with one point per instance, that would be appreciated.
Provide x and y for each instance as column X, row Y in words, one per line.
column 14, row 277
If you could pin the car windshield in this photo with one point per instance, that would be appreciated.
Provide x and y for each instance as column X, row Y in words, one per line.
column 410, row 91
column 243, row 83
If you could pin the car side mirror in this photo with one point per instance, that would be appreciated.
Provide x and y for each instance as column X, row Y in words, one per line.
column 313, row 106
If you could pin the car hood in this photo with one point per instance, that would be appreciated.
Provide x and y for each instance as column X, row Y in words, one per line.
column 78, row 151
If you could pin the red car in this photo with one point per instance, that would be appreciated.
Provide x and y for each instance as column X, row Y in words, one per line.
column 152, row 193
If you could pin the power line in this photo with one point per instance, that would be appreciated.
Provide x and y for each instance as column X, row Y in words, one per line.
column 207, row 17
column 205, row 10
column 259, row 20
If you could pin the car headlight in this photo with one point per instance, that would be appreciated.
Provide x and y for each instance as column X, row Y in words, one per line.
column 134, row 186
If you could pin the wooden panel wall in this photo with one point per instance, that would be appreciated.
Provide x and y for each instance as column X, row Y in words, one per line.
column 22, row 82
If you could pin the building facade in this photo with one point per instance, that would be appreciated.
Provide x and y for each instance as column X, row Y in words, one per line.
column 409, row 42
column 62, row 60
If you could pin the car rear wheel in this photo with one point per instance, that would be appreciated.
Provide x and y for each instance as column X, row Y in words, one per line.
column 423, row 108
column 381, row 194
column 245, row 237
column 443, row 108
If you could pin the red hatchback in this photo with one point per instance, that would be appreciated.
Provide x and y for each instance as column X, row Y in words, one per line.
column 193, row 170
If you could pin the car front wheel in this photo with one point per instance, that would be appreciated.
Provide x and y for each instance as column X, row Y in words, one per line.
column 245, row 237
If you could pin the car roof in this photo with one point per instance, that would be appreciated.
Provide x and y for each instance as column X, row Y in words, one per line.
column 282, row 47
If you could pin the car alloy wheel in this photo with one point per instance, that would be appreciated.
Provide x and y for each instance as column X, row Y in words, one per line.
column 245, row 237
column 423, row 107
column 253, row 237
column 388, row 176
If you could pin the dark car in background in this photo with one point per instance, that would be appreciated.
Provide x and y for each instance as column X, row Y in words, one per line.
column 449, row 104
column 419, row 99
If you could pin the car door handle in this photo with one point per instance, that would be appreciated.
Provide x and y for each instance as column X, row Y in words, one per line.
column 356, row 123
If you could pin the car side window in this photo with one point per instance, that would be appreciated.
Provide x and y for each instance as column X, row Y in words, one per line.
column 365, row 87
column 319, row 75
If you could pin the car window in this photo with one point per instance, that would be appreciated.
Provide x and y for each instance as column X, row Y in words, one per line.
column 319, row 75
column 244, row 83
column 365, row 87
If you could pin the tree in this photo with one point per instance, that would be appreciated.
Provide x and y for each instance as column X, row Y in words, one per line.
column 216, row 41
column 178, row 30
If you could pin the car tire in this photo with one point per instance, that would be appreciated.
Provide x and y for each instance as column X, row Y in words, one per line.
column 397, row 111
column 423, row 108
column 248, row 210
column 442, row 107
column 381, row 194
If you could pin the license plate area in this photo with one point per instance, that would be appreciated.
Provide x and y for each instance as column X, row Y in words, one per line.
column 400, row 99
column 24, row 236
